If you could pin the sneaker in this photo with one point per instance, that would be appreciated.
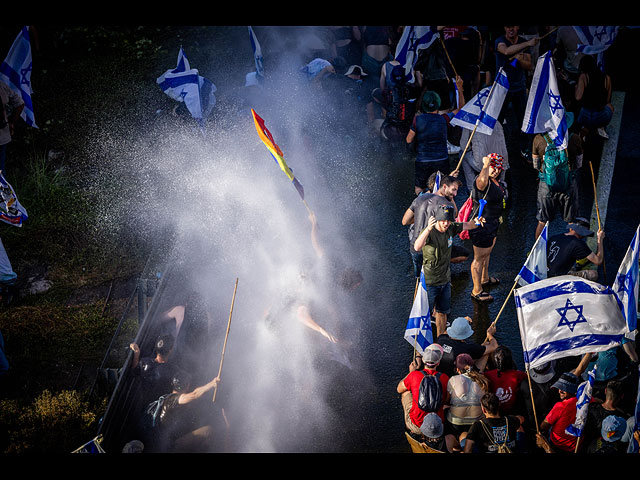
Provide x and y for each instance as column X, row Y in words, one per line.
column 603, row 133
column 526, row 155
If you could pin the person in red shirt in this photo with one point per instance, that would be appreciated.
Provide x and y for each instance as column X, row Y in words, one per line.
column 505, row 380
column 552, row 436
column 409, row 387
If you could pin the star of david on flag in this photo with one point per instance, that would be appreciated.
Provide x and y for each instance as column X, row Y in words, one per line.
column 418, row 332
column 413, row 40
column 565, row 316
column 481, row 112
column 625, row 286
column 15, row 71
column 545, row 112
column 535, row 267
column 595, row 39
column 184, row 84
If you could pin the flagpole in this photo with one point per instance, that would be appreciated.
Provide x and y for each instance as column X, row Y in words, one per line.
column 449, row 58
column 533, row 405
column 474, row 128
column 595, row 197
column 224, row 347
column 415, row 340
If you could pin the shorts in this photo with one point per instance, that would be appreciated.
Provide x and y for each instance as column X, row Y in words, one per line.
column 440, row 297
column 425, row 169
column 482, row 237
column 549, row 202
column 595, row 118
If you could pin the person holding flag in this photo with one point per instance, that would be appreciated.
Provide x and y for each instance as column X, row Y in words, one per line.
column 436, row 242
column 513, row 54
column 15, row 91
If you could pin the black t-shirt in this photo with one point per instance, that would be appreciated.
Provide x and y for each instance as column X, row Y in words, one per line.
column 452, row 348
column 563, row 251
column 499, row 430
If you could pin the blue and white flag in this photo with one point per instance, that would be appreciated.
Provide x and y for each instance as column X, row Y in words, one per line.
column 633, row 444
column 545, row 112
column 15, row 71
column 565, row 316
column 184, row 84
column 483, row 109
column 625, row 286
column 413, row 40
column 436, row 184
column 535, row 267
column 585, row 390
column 595, row 40
column 257, row 54
column 418, row 332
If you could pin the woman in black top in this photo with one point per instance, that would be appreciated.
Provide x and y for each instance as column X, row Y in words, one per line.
column 487, row 187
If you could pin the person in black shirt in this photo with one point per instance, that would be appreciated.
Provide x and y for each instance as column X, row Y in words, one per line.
column 493, row 432
column 565, row 249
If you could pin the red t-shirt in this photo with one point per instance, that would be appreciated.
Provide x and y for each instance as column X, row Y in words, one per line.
column 560, row 417
column 506, row 387
column 412, row 383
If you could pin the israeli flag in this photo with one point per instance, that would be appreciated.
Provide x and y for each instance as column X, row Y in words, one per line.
column 565, row 316
column 535, row 267
column 625, row 286
column 15, row 71
column 545, row 112
column 184, row 84
column 257, row 54
column 483, row 109
column 418, row 332
column 436, row 184
column 633, row 444
column 585, row 390
column 413, row 40
column 595, row 40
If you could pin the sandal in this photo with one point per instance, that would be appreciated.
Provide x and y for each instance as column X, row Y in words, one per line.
column 493, row 281
column 482, row 297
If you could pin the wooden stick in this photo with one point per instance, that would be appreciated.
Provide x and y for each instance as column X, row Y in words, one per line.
column 535, row 417
column 474, row 129
column 445, row 51
column 224, row 347
column 595, row 197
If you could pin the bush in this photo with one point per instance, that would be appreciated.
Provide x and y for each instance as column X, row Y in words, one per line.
column 53, row 423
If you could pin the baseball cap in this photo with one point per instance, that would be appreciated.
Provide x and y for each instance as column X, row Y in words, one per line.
column 432, row 355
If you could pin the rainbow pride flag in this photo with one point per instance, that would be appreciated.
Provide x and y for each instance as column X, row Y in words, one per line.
column 276, row 153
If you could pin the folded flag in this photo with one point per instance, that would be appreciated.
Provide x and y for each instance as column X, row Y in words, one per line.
column 413, row 40
column 276, row 153
column 483, row 109
column 418, row 332
column 11, row 211
column 15, row 71
column 545, row 112
column 436, row 184
column 535, row 267
column 257, row 54
column 184, row 84
column 565, row 316
column 585, row 390
column 625, row 286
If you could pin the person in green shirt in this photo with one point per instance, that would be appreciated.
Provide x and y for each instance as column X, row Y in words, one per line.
column 435, row 241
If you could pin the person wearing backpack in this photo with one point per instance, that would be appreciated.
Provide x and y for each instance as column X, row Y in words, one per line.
column 173, row 419
column 558, row 176
column 424, row 391
column 494, row 433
